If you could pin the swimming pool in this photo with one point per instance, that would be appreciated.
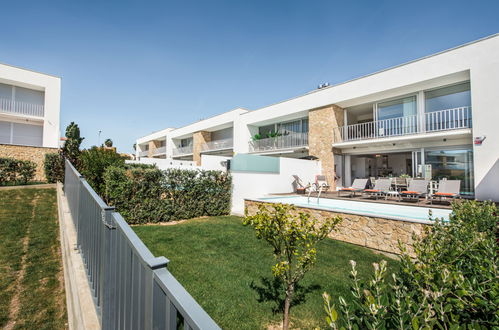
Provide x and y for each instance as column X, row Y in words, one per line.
column 388, row 211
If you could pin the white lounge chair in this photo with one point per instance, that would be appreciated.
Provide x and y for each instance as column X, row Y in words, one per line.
column 447, row 189
column 416, row 189
column 381, row 187
column 358, row 185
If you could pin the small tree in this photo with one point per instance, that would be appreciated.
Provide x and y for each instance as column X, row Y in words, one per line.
column 108, row 143
column 293, row 237
column 71, row 149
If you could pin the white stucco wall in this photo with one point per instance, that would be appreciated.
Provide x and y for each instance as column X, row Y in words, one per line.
column 255, row 185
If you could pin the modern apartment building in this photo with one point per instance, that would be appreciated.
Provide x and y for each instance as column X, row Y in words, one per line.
column 29, row 107
column 435, row 117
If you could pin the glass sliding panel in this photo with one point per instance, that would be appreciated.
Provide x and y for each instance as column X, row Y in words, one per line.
column 264, row 131
column 290, row 127
column 29, row 96
column 23, row 134
column 5, row 132
column 448, row 108
column 452, row 164
column 397, row 117
column 186, row 142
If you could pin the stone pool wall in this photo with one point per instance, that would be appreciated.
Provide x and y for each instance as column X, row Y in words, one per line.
column 375, row 233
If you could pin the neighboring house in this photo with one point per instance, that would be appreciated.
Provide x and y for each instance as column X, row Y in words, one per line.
column 437, row 117
column 29, row 114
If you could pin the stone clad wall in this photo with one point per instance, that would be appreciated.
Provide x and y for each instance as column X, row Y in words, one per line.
column 375, row 233
column 198, row 139
column 34, row 154
column 321, row 123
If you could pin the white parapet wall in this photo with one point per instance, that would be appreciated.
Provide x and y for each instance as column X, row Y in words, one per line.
column 251, row 185
column 164, row 164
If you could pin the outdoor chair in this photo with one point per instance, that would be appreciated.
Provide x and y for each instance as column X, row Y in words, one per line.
column 358, row 185
column 381, row 187
column 446, row 189
column 416, row 189
column 321, row 182
column 299, row 186
column 400, row 184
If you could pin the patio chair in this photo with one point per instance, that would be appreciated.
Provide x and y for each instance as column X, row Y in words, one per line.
column 299, row 186
column 321, row 182
column 447, row 189
column 381, row 187
column 400, row 184
column 358, row 185
column 416, row 189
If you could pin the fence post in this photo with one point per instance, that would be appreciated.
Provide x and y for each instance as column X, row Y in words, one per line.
column 108, row 272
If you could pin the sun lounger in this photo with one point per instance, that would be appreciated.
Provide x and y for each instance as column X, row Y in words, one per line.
column 299, row 186
column 446, row 189
column 380, row 188
column 416, row 189
column 358, row 185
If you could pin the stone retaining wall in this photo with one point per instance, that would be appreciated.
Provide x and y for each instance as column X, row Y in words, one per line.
column 375, row 233
column 34, row 154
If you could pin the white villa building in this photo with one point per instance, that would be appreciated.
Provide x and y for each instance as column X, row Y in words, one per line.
column 436, row 117
column 29, row 107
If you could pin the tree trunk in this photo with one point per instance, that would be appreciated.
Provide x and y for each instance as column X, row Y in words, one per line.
column 287, row 305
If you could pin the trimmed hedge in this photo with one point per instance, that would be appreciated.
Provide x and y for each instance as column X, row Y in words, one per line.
column 14, row 171
column 151, row 195
column 54, row 168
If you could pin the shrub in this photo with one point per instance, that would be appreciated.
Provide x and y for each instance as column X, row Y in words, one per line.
column 14, row 171
column 54, row 167
column 71, row 148
column 144, row 195
column 451, row 282
column 93, row 163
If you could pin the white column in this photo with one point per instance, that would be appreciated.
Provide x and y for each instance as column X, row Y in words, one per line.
column 348, row 171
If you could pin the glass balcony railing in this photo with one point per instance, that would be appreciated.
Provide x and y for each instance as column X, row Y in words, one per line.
column 181, row 151
column 218, row 145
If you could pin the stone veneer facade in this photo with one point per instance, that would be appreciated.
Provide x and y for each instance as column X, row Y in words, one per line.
column 321, row 122
column 198, row 139
column 375, row 233
column 34, row 154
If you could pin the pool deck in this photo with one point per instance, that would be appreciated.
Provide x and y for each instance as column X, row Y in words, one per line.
column 334, row 195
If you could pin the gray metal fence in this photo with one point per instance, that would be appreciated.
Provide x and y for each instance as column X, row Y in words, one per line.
column 132, row 288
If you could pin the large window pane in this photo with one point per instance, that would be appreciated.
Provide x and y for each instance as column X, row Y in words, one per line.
column 5, row 92
column 29, row 96
column 23, row 134
column 452, row 164
column 5, row 132
column 450, row 97
column 397, row 108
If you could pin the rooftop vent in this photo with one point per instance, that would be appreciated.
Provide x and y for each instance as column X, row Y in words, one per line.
column 323, row 85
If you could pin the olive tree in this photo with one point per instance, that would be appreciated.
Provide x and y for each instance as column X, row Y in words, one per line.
column 293, row 236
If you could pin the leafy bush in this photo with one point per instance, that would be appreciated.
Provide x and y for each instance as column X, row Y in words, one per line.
column 14, row 171
column 450, row 282
column 54, row 167
column 93, row 163
column 71, row 148
column 150, row 195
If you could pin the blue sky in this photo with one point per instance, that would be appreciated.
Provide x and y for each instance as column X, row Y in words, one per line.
column 132, row 67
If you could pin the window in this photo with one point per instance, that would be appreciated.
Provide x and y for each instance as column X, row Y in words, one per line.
column 450, row 97
column 186, row 142
column 403, row 107
column 21, row 134
column 290, row 127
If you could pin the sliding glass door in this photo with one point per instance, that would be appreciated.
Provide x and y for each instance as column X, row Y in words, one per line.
column 397, row 117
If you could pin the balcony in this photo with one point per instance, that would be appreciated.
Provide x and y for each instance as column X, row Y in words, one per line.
column 443, row 120
column 144, row 153
column 216, row 145
column 288, row 141
column 159, row 151
column 21, row 108
column 182, row 151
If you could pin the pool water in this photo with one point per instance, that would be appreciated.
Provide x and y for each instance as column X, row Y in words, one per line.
column 389, row 211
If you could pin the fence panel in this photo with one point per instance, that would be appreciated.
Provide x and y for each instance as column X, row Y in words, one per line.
column 132, row 288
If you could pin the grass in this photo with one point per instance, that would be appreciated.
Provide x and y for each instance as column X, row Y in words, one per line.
column 31, row 278
column 223, row 266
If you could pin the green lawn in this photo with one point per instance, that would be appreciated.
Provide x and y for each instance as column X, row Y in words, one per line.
column 220, row 261
column 31, row 278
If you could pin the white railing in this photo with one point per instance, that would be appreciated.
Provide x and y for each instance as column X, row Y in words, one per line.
column 182, row 151
column 217, row 145
column 143, row 153
column 449, row 119
column 22, row 108
column 159, row 151
column 286, row 141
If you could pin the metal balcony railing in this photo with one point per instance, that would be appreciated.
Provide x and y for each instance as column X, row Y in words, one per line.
column 218, row 145
column 449, row 119
column 286, row 141
column 22, row 108
column 180, row 151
